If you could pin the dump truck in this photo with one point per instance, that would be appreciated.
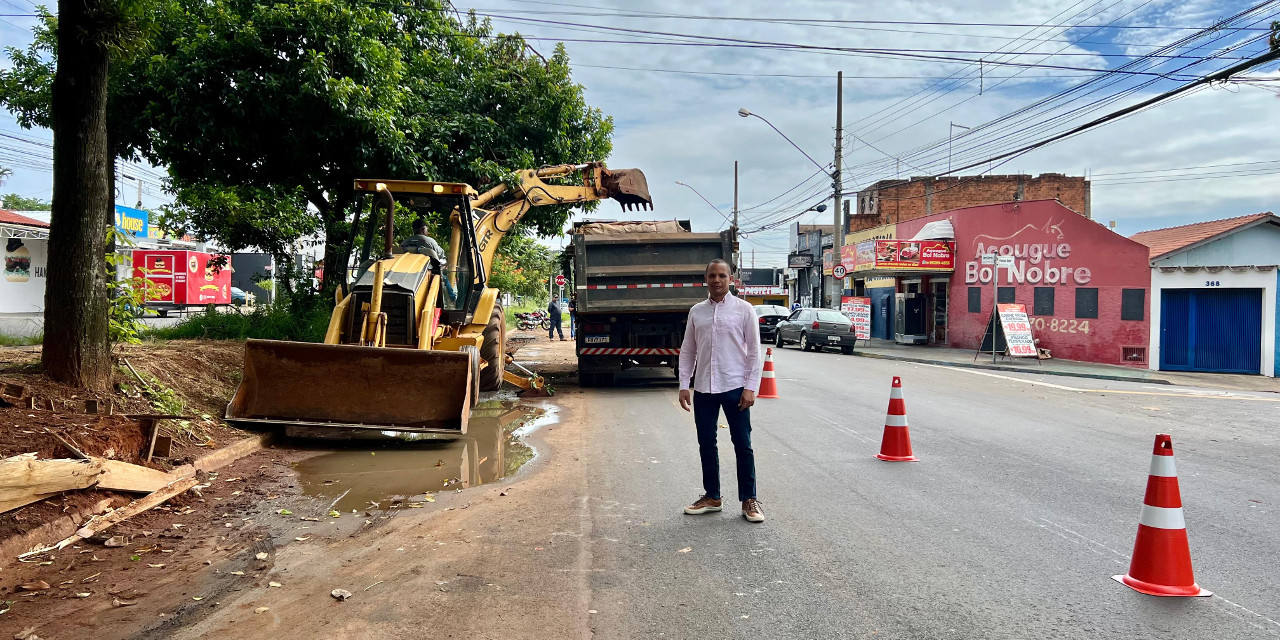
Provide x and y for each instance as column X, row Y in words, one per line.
column 634, row 283
column 419, row 334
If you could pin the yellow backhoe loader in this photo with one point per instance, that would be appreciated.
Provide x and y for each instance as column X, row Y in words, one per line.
column 415, row 339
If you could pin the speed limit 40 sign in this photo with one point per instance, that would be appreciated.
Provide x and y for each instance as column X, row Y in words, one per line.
column 838, row 271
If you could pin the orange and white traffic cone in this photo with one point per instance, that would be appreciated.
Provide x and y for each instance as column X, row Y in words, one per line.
column 768, row 384
column 1161, row 564
column 895, row 446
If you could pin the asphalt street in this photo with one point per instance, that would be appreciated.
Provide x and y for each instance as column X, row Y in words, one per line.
column 1024, row 504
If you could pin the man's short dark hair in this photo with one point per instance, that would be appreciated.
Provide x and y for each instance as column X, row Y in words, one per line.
column 419, row 225
column 715, row 262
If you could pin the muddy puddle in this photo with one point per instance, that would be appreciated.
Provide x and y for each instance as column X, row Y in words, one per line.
column 397, row 474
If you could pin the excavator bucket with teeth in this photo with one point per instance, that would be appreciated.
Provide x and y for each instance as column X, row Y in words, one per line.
column 629, row 187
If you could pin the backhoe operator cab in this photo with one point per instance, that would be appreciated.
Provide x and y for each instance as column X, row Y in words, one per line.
column 412, row 282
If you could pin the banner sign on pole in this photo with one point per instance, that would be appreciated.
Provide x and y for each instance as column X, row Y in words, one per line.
column 1017, row 330
column 860, row 310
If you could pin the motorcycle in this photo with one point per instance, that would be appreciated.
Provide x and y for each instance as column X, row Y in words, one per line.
column 533, row 320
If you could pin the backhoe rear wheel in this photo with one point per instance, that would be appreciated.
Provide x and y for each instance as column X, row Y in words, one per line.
column 475, row 372
column 493, row 349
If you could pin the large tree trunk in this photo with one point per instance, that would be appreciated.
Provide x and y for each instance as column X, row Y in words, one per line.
column 76, row 349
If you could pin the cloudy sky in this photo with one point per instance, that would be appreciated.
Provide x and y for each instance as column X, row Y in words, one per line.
column 674, row 74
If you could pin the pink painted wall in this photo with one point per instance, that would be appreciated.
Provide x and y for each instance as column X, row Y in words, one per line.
column 1053, row 247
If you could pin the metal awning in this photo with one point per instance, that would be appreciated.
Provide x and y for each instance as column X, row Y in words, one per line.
column 22, row 231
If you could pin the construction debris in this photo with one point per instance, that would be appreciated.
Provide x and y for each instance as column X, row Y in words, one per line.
column 25, row 479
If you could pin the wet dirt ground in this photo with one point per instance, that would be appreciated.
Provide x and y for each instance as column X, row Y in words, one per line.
column 199, row 552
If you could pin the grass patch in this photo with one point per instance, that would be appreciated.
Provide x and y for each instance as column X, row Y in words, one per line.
column 20, row 341
column 302, row 323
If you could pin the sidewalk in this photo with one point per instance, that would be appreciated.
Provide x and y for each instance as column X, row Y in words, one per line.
column 951, row 357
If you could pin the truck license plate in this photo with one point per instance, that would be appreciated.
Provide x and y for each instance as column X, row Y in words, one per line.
column 596, row 340
column 833, row 338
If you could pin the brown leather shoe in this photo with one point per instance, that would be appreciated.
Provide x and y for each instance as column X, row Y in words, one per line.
column 751, row 510
column 703, row 505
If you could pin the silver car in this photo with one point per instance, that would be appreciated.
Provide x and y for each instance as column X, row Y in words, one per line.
column 816, row 329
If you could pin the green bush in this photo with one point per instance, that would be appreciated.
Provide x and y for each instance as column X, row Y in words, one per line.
column 303, row 320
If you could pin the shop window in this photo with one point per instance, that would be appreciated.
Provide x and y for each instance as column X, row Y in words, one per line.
column 975, row 299
column 1005, row 295
column 1044, row 301
column 1133, row 303
column 1086, row 302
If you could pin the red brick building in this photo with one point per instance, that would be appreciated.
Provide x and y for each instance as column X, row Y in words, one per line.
column 1086, row 288
column 894, row 201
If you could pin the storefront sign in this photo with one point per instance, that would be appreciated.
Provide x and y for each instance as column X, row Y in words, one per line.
column 762, row 291
column 132, row 221
column 827, row 262
column 848, row 256
column 915, row 255
column 1017, row 330
column 800, row 260
column 1038, row 255
column 860, row 313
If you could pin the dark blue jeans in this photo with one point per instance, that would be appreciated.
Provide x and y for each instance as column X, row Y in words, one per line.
column 706, row 412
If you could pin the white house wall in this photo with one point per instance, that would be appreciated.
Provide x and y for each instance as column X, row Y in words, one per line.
column 23, row 292
column 1228, row 279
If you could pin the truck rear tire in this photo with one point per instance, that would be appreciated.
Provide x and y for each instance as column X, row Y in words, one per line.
column 493, row 349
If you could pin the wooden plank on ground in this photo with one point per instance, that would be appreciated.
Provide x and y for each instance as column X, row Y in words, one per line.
column 24, row 479
column 122, row 476
column 98, row 524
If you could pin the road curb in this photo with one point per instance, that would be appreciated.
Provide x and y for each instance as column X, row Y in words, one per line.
column 979, row 365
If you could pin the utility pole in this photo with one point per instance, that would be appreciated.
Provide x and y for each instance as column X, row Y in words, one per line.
column 736, row 254
column 837, row 236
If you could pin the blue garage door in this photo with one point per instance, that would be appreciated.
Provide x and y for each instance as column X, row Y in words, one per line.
column 1217, row 330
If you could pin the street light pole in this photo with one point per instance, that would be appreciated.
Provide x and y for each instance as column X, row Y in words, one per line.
column 736, row 253
column 837, row 185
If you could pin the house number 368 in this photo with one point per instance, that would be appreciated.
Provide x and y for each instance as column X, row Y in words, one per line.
column 1212, row 283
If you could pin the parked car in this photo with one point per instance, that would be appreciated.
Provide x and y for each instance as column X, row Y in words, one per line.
column 816, row 329
column 241, row 298
column 770, row 315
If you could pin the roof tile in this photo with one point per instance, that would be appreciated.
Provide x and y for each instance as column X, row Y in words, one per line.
column 1163, row 241
column 9, row 217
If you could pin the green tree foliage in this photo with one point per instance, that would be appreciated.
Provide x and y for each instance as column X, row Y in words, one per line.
column 15, row 202
column 272, row 105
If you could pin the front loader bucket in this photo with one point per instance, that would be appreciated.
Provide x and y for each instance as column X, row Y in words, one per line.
column 627, row 186
column 343, row 386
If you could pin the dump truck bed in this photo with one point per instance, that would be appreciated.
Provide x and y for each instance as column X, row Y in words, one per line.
column 641, row 271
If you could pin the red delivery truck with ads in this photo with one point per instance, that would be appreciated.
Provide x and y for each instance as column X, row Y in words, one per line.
column 178, row 279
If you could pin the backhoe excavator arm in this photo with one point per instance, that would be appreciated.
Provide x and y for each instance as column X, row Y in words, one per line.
column 627, row 186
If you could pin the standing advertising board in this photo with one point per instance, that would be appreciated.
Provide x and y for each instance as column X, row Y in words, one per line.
column 1017, row 330
column 859, row 309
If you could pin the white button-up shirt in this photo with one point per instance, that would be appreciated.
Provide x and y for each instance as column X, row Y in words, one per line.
column 722, row 343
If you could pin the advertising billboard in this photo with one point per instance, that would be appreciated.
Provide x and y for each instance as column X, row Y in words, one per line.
column 915, row 255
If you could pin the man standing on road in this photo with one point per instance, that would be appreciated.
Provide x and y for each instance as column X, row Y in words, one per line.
column 720, row 361
column 573, row 313
column 553, row 311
